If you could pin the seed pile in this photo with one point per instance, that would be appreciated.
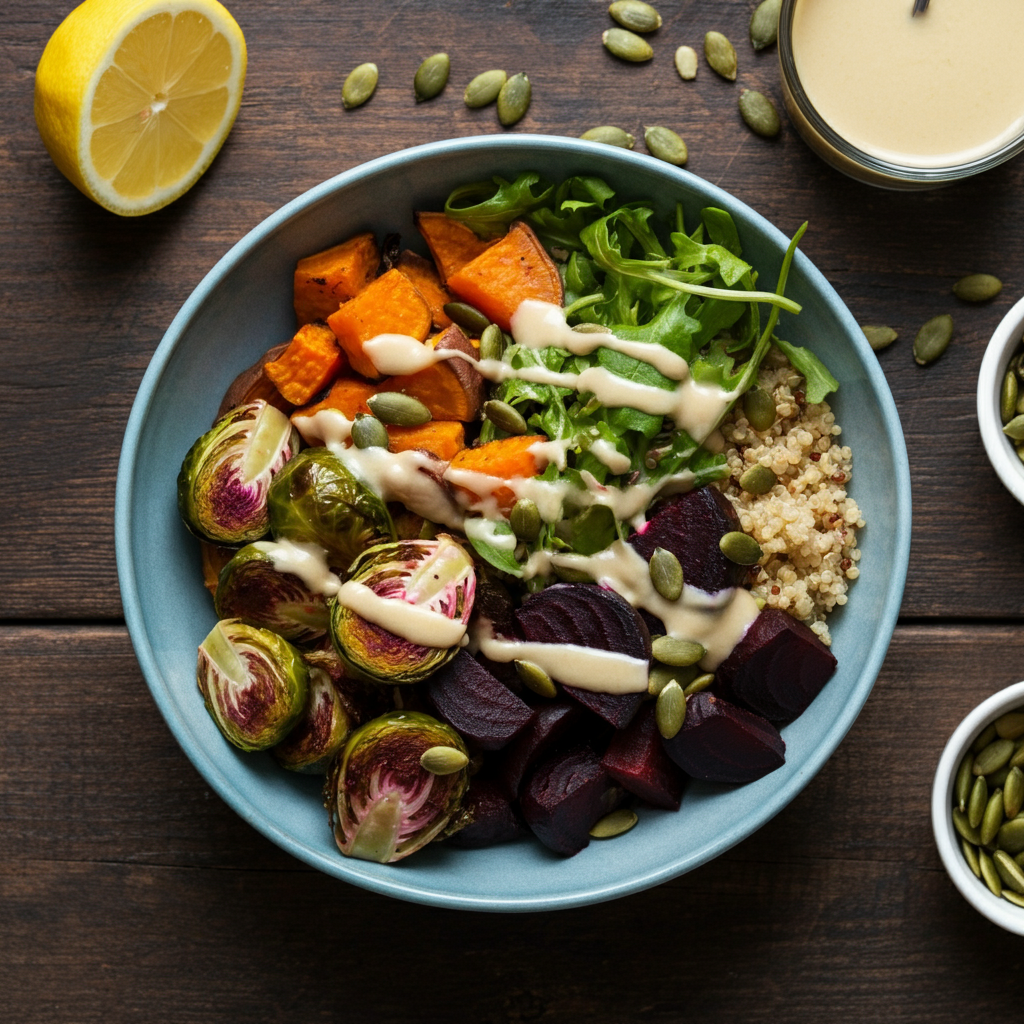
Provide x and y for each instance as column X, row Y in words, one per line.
column 988, row 806
column 805, row 522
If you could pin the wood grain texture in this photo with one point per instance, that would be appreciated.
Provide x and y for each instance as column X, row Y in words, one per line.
column 129, row 892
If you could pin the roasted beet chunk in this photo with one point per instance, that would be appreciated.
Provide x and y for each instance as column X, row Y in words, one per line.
column 547, row 731
column 565, row 796
column 720, row 742
column 778, row 667
column 690, row 526
column 589, row 616
column 636, row 759
column 494, row 820
column 475, row 704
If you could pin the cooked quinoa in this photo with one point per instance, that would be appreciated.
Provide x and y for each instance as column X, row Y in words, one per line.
column 806, row 524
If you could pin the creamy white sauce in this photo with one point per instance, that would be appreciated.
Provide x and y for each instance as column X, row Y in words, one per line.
column 307, row 561
column 607, row 454
column 419, row 624
column 582, row 667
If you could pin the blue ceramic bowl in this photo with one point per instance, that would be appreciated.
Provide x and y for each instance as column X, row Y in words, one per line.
column 243, row 306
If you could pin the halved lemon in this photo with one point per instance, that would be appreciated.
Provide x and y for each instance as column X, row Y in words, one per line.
column 134, row 98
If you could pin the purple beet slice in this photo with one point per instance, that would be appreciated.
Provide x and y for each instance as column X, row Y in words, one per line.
column 565, row 796
column 636, row 759
column 478, row 706
column 547, row 731
column 589, row 616
column 494, row 819
column 690, row 526
column 720, row 742
column 778, row 667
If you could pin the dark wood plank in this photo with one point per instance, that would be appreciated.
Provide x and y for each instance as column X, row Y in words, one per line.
column 86, row 295
column 128, row 892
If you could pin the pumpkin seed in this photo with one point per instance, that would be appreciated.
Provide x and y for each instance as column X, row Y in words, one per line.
column 1009, row 872
column 615, row 824
column 484, row 89
column 764, row 24
column 720, row 55
column 635, row 15
column 670, row 710
column 963, row 826
column 514, row 100
column 626, row 45
column 758, row 480
column 759, row 409
column 1015, row 428
column 666, row 145
column 964, row 782
column 492, row 342
column 443, row 760
column 661, row 675
column 359, row 86
column 992, row 757
column 977, row 288
column 534, row 678
column 504, row 417
column 933, row 339
column 525, row 520
column 686, row 63
column 702, row 682
column 992, row 819
column 740, row 548
column 1014, row 897
column 468, row 317
column 879, row 337
column 1010, row 726
column 977, row 802
column 971, row 856
column 984, row 738
column 398, row 409
column 1013, row 792
column 989, row 875
column 1017, row 761
column 431, row 77
column 670, row 650
column 759, row 113
column 1010, row 836
column 1008, row 395
column 369, row 432
column 666, row 574
column 610, row 136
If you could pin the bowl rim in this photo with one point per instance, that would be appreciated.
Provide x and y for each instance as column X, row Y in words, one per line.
column 996, row 909
column 1000, row 453
column 397, row 884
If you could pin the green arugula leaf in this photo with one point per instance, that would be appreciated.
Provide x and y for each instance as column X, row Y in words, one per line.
column 818, row 381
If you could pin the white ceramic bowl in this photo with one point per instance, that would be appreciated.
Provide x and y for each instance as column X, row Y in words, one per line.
column 244, row 305
column 998, row 446
column 996, row 909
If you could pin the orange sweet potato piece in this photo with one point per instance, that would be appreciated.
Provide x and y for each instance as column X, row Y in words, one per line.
column 439, row 389
column 508, row 458
column 389, row 305
column 214, row 558
column 326, row 279
column 515, row 268
column 450, row 242
column 424, row 276
column 347, row 395
column 253, row 383
column 444, row 438
column 309, row 363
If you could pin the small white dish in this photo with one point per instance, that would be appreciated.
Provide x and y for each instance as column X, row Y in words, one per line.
column 996, row 909
column 998, row 446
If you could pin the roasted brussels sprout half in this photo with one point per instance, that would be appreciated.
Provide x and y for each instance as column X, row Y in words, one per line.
column 378, row 640
column 383, row 804
column 252, row 588
column 224, row 479
column 254, row 684
column 321, row 730
column 315, row 499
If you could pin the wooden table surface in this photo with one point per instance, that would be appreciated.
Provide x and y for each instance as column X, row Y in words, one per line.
column 128, row 891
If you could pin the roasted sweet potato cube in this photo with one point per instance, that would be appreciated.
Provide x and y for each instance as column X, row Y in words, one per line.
column 450, row 242
column 310, row 362
column 326, row 279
